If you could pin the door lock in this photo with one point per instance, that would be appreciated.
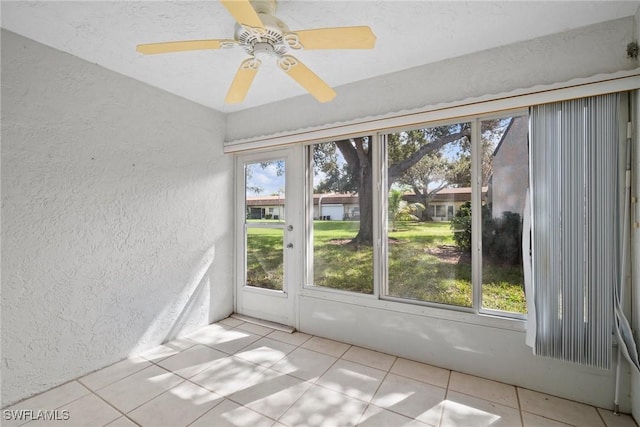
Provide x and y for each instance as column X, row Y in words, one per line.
column 290, row 245
column 290, row 228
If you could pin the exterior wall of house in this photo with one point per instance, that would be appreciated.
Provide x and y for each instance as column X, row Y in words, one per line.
column 113, row 239
column 510, row 179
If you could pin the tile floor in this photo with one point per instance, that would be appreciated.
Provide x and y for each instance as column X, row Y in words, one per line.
column 240, row 374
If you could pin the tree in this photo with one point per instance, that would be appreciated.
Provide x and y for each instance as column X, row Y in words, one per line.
column 426, row 178
column 404, row 151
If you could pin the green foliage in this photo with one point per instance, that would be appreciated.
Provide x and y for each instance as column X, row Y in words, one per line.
column 400, row 210
column 501, row 237
column 338, row 175
column 415, row 272
column 461, row 227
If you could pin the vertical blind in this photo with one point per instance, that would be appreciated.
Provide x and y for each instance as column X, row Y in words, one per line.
column 574, row 220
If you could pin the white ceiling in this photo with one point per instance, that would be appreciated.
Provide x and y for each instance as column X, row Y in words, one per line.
column 409, row 33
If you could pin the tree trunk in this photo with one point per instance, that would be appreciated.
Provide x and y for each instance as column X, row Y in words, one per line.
column 365, row 200
column 359, row 160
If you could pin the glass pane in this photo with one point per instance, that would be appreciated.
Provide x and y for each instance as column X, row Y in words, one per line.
column 343, row 215
column 505, row 166
column 265, row 257
column 264, row 191
column 264, row 219
column 429, row 177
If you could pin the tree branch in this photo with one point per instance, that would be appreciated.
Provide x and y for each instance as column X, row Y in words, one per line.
column 398, row 168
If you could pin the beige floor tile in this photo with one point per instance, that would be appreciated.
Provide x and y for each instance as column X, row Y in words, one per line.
column 494, row 391
column 369, row 357
column 533, row 420
column 612, row 420
column 192, row 361
column 559, row 409
column 177, row 407
column 230, row 414
column 326, row 346
column 230, row 321
column 295, row 338
column 378, row 417
column 166, row 350
column 271, row 393
column 464, row 410
column 223, row 338
column 352, row 379
column 255, row 329
column 305, row 364
column 421, row 372
column 115, row 372
column 49, row 400
column 134, row 390
column 319, row 406
column 227, row 376
column 411, row 398
column 265, row 351
column 88, row 411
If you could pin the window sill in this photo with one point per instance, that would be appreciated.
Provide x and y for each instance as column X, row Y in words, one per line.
column 454, row 314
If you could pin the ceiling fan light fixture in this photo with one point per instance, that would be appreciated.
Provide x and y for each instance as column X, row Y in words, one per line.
column 263, row 50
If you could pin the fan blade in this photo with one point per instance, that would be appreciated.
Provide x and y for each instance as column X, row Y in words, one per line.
column 307, row 78
column 166, row 47
column 242, row 81
column 243, row 12
column 332, row 38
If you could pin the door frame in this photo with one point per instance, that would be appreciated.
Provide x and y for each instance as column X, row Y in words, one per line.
column 272, row 305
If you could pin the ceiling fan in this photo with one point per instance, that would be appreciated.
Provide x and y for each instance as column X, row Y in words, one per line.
column 262, row 35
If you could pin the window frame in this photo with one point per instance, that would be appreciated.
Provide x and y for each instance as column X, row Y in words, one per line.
column 380, row 220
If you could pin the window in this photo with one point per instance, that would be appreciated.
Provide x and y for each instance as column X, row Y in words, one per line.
column 505, row 174
column 433, row 248
column 425, row 169
column 264, row 231
column 340, row 199
column 435, row 178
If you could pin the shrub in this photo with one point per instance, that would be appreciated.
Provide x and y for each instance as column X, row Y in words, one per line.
column 501, row 237
column 461, row 227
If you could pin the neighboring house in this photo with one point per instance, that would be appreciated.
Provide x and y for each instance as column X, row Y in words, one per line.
column 325, row 206
column 336, row 206
column 447, row 201
column 265, row 207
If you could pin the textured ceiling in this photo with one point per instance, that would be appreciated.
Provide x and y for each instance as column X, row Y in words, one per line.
column 409, row 33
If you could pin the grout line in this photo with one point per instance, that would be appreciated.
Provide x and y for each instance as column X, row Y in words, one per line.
column 265, row 323
column 446, row 394
column 519, row 405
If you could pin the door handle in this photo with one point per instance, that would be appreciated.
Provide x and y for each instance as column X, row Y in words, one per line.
column 290, row 245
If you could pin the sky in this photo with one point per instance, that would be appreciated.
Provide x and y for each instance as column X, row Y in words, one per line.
column 264, row 176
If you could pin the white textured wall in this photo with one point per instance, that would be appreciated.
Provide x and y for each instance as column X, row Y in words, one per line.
column 116, row 217
column 584, row 52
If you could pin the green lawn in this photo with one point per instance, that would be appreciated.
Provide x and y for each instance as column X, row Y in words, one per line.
column 424, row 265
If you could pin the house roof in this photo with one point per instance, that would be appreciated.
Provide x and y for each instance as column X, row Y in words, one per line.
column 460, row 194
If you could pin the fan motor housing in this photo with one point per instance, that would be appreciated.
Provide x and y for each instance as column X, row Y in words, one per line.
column 272, row 33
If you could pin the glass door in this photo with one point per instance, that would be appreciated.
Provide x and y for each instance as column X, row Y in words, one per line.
column 269, row 187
